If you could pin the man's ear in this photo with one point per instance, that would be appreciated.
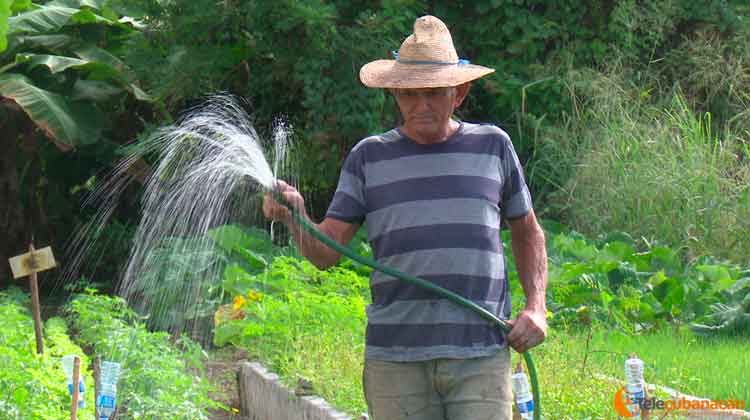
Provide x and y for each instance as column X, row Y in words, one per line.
column 461, row 92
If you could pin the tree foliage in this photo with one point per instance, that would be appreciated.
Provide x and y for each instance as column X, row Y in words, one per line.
column 79, row 69
column 55, row 70
column 60, row 80
column 302, row 58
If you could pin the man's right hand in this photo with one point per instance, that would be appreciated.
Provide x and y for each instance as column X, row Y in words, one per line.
column 278, row 212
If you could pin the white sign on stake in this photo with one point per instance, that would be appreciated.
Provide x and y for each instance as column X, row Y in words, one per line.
column 23, row 265
column 29, row 264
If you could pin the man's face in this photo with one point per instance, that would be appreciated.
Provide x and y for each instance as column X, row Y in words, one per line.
column 427, row 111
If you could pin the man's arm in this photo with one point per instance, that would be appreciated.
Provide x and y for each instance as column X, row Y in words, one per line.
column 317, row 252
column 527, row 241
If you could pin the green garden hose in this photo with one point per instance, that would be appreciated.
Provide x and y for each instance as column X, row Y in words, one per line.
column 455, row 298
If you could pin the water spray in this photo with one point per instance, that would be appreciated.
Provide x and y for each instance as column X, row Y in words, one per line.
column 447, row 294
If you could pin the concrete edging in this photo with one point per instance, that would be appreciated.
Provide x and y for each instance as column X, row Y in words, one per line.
column 263, row 397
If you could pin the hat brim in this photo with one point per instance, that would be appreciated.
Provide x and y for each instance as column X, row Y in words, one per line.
column 395, row 75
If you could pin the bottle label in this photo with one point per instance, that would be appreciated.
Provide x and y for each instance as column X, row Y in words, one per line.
column 636, row 396
column 81, row 387
column 106, row 401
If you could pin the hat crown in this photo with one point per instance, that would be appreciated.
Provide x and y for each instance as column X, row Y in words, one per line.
column 431, row 41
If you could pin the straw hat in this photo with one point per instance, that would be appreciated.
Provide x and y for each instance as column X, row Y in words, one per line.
column 427, row 58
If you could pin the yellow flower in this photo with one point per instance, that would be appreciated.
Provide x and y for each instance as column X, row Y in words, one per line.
column 238, row 302
column 228, row 312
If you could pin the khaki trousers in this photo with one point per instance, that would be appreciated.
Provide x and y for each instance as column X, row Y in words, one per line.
column 441, row 389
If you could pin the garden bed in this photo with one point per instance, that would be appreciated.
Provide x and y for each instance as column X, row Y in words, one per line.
column 160, row 379
column 305, row 323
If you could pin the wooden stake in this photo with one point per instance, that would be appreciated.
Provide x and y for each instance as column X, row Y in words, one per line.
column 97, row 384
column 35, row 303
column 76, row 379
column 28, row 265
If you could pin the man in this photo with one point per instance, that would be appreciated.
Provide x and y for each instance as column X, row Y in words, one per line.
column 434, row 192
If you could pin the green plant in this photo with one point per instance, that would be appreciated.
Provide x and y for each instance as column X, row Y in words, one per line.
column 711, row 71
column 60, row 99
column 291, row 314
column 731, row 317
column 160, row 379
column 635, row 289
column 707, row 367
column 5, row 9
column 181, row 287
column 654, row 171
column 33, row 386
column 62, row 88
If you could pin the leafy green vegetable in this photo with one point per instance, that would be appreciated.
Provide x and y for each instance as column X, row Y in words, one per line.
column 33, row 386
column 159, row 378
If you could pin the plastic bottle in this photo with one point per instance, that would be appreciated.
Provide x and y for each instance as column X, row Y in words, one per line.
column 106, row 401
column 635, row 386
column 67, row 365
column 522, row 392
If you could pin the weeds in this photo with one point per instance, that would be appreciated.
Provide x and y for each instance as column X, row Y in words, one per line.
column 625, row 164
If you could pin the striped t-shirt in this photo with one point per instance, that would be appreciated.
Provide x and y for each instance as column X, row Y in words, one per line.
column 434, row 211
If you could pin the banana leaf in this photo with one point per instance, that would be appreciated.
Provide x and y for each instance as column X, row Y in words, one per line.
column 55, row 63
column 94, row 90
column 51, row 17
column 67, row 124
column 42, row 20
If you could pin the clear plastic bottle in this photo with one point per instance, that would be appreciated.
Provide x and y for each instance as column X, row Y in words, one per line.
column 635, row 386
column 522, row 393
column 106, row 401
column 67, row 365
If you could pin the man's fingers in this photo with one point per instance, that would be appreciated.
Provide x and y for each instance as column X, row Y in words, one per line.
column 281, row 185
column 527, row 332
column 278, row 209
column 273, row 210
column 515, row 337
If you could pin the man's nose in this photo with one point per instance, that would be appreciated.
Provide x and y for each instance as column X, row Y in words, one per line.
column 422, row 103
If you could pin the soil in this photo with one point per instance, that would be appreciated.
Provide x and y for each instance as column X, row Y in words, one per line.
column 221, row 369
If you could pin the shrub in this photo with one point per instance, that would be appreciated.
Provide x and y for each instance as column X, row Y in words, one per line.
column 302, row 322
column 33, row 386
column 624, row 163
column 158, row 380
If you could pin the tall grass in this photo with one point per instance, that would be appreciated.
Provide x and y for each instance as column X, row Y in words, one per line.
column 622, row 161
column 705, row 367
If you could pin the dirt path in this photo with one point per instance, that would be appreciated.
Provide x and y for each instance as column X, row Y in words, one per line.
column 221, row 370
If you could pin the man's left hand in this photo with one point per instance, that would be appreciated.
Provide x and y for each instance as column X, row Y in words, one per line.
column 529, row 329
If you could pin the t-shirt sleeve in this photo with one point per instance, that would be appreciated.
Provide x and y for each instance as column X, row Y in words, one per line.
column 348, row 202
column 515, row 198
